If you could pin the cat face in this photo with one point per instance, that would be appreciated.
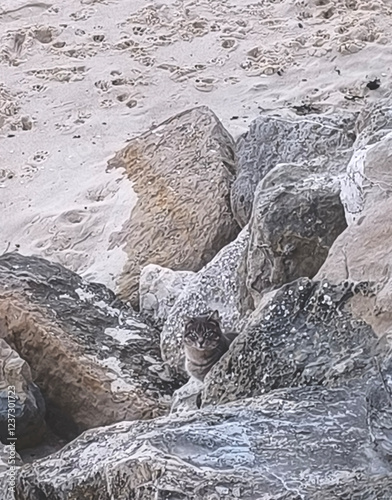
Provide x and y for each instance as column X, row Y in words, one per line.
column 203, row 332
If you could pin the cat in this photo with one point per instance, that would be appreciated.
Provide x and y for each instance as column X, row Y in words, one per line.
column 204, row 343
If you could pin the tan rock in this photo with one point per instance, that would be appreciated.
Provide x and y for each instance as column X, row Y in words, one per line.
column 182, row 172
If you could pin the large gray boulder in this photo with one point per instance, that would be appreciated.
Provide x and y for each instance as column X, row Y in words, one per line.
column 310, row 442
column 272, row 140
column 218, row 286
column 182, row 172
column 28, row 405
column 93, row 357
column 297, row 215
column 306, row 335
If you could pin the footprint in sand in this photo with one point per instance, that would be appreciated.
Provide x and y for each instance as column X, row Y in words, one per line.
column 82, row 15
column 122, row 97
column 45, row 34
column 60, row 74
column 103, row 85
column 205, row 84
column 39, row 157
column 229, row 44
column 106, row 103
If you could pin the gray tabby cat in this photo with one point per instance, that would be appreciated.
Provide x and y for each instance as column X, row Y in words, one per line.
column 204, row 343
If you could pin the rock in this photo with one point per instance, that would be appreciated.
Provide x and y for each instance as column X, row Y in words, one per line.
column 296, row 217
column 92, row 357
column 159, row 288
column 182, row 172
column 20, row 399
column 216, row 287
column 187, row 397
column 369, row 179
column 310, row 442
column 362, row 253
column 305, row 336
column 272, row 140
column 374, row 122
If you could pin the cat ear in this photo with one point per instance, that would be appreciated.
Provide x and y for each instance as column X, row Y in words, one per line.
column 214, row 316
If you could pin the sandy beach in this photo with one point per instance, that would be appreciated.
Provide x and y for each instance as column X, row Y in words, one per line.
column 78, row 79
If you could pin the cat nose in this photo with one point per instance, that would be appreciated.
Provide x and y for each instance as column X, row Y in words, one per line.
column 201, row 342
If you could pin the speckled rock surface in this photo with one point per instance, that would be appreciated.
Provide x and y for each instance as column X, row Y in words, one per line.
column 187, row 397
column 272, row 140
column 363, row 252
column 305, row 336
column 159, row 289
column 308, row 443
column 217, row 286
column 92, row 357
column 28, row 408
column 182, row 172
column 369, row 173
column 296, row 217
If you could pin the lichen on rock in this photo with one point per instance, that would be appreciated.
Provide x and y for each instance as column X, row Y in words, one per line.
column 306, row 335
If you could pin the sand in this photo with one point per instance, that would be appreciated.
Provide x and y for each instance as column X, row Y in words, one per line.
column 78, row 79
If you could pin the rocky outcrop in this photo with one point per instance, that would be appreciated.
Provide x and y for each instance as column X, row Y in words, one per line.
column 297, row 215
column 328, row 140
column 216, row 287
column 159, row 289
column 94, row 359
column 305, row 336
column 28, row 406
column 182, row 172
column 310, row 442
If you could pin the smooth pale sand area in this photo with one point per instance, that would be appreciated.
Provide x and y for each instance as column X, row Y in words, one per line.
column 78, row 79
